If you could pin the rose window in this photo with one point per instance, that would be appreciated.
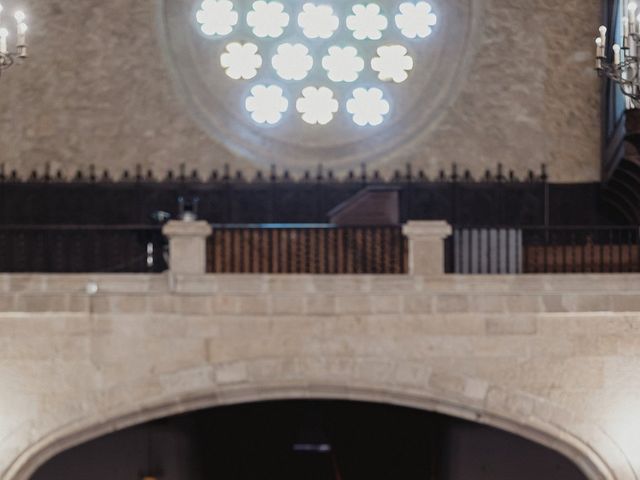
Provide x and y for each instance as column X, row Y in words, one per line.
column 324, row 59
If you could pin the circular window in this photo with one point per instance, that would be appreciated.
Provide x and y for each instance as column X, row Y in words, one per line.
column 301, row 83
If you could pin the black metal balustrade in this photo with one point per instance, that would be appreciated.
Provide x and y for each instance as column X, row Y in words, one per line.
column 321, row 249
column 81, row 248
column 315, row 249
column 532, row 249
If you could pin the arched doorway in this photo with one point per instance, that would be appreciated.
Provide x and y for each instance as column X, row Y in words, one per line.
column 312, row 440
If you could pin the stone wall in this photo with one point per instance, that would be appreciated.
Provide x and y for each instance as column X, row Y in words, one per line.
column 97, row 91
column 552, row 358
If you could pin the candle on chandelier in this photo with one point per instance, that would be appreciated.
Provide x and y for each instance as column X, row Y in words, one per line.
column 22, row 34
column 616, row 54
column 22, row 27
column 625, row 32
column 598, row 53
column 633, row 6
column 4, row 34
column 603, row 36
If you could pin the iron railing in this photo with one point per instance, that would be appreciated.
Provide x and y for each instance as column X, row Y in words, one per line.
column 534, row 249
column 306, row 248
column 81, row 248
column 320, row 249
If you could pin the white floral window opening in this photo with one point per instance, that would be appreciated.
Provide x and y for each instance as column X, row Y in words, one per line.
column 392, row 63
column 307, row 26
column 368, row 106
column 317, row 21
column 217, row 17
column 367, row 22
column 266, row 104
column 267, row 19
column 292, row 62
column 415, row 19
column 342, row 64
column 241, row 61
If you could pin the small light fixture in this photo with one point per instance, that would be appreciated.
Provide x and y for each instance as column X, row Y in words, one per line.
column 7, row 54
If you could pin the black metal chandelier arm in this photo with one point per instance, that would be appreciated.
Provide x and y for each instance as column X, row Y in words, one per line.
column 633, row 96
column 612, row 73
column 6, row 60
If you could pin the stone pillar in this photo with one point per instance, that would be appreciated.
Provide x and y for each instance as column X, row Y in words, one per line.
column 426, row 246
column 187, row 245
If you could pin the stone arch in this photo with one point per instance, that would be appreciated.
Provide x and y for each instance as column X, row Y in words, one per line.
column 514, row 412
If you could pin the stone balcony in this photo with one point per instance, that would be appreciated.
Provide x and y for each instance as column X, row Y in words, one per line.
column 554, row 358
column 549, row 357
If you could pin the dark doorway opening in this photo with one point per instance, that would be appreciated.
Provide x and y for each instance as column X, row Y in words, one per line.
column 310, row 440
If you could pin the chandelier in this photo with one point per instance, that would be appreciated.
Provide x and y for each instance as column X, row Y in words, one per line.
column 7, row 55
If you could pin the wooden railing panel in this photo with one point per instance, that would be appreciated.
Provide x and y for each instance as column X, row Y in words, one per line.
column 607, row 249
column 312, row 250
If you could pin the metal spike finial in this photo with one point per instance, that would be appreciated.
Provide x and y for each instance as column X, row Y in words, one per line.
column 454, row 172
column 408, row 172
column 543, row 172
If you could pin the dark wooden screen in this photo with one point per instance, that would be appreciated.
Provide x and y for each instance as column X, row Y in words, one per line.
column 581, row 250
column 81, row 248
column 317, row 249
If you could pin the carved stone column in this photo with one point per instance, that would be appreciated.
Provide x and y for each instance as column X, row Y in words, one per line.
column 187, row 245
column 426, row 246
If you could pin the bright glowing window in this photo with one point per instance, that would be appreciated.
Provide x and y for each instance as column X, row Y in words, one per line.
column 317, row 105
column 241, row 61
column 307, row 57
column 292, row 62
column 317, row 21
column 266, row 104
column 367, row 106
column 342, row 64
column 392, row 63
column 367, row 22
column 217, row 17
column 267, row 19
column 415, row 19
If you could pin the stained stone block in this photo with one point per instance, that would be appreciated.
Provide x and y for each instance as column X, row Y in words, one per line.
column 287, row 305
column 231, row 373
column 511, row 325
column 320, row 304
